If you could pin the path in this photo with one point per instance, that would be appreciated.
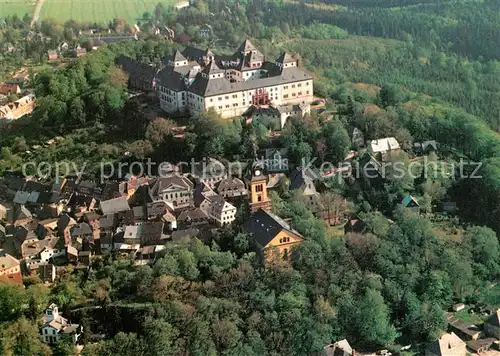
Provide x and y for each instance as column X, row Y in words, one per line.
column 36, row 12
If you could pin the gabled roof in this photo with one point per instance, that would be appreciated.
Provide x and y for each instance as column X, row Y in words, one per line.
column 285, row 58
column 162, row 183
column 264, row 226
column 7, row 262
column 114, row 205
column 246, row 46
column 384, row 144
column 409, row 199
column 177, row 57
column 446, row 345
column 192, row 214
column 340, row 348
column 230, row 183
column 212, row 68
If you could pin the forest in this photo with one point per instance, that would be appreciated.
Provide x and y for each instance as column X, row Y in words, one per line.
column 425, row 74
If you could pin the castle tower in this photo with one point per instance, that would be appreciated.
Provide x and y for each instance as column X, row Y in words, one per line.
column 258, row 191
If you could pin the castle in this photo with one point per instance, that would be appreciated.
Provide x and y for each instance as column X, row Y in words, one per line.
column 196, row 81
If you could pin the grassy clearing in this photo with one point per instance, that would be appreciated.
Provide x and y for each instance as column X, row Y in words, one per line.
column 98, row 11
column 16, row 7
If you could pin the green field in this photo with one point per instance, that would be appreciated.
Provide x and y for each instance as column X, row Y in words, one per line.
column 100, row 11
column 19, row 7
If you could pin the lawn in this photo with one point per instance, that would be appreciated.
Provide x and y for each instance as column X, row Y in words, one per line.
column 100, row 11
column 19, row 7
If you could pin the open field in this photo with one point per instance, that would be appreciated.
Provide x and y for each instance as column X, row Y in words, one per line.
column 19, row 7
column 100, row 11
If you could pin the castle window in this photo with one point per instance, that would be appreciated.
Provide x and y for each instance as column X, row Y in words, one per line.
column 259, row 198
column 259, row 188
column 285, row 96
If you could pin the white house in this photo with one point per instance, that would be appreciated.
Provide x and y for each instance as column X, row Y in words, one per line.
column 56, row 327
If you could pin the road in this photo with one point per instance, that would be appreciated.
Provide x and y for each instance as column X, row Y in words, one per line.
column 36, row 12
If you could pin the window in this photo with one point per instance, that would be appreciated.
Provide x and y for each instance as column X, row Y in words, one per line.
column 220, row 98
column 285, row 96
column 293, row 85
column 307, row 92
column 235, row 96
column 235, row 105
column 285, row 87
column 293, row 94
column 220, row 106
column 259, row 188
column 307, row 83
column 299, row 85
column 299, row 93
column 259, row 198
column 226, row 97
column 227, row 106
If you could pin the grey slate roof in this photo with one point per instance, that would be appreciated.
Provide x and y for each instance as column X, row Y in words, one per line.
column 264, row 226
column 178, row 56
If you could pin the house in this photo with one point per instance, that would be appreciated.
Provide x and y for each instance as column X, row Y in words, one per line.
column 339, row 348
column 18, row 108
column 447, row 345
column 52, row 55
column 80, row 203
column 206, row 30
column 34, row 250
column 47, row 273
column 355, row 225
column 384, row 148
column 63, row 47
column 358, row 138
column 410, row 203
column 231, row 187
column 115, row 205
column 293, row 110
column 188, row 233
column 56, row 327
column 79, row 52
column 219, row 211
column 3, row 212
column 272, row 235
column 465, row 331
column 492, row 325
column 22, row 215
column 425, row 147
column 174, row 189
column 303, row 184
column 275, row 160
column 192, row 217
column 370, row 170
column 265, row 115
column 10, row 270
column 64, row 225
column 6, row 89
column 209, row 171
column 140, row 76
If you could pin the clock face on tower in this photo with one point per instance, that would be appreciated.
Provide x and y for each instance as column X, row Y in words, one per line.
column 257, row 172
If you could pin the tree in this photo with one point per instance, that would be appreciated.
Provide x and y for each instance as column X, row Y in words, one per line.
column 372, row 320
column 158, row 130
column 337, row 140
column 390, row 95
column 22, row 338
column 334, row 206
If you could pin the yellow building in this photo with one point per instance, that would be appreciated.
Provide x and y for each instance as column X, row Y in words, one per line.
column 273, row 235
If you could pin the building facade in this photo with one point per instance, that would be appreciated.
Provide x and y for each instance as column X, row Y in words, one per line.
column 196, row 81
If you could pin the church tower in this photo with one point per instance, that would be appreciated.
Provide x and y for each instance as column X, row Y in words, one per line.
column 258, row 191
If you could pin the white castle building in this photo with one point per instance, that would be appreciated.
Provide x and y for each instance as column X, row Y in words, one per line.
column 198, row 80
